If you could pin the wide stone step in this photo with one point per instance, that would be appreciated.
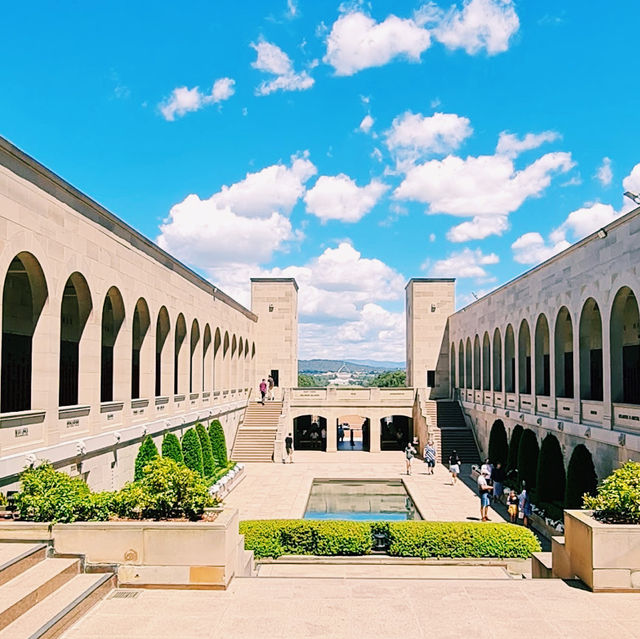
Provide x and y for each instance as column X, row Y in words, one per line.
column 51, row 616
column 33, row 585
column 18, row 557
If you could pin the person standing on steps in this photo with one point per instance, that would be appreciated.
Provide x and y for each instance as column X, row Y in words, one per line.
column 263, row 390
column 430, row 457
column 454, row 467
column 288, row 444
column 270, row 384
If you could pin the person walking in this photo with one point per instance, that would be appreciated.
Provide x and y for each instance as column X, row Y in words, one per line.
column 270, row 385
column 288, row 444
column 409, row 453
column 341, row 434
column 497, row 479
column 351, row 436
column 484, row 490
column 524, row 506
column 263, row 390
column 430, row 457
column 512, row 506
column 454, row 467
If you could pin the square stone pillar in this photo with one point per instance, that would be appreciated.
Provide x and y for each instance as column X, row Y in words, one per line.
column 374, row 435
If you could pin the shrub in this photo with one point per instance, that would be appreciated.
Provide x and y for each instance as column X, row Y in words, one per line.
column 514, row 443
column 276, row 537
column 618, row 498
column 498, row 445
column 460, row 539
column 146, row 453
column 581, row 477
column 208, row 465
column 550, row 476
column 528, row 459
column 167, row 489
column 171, row 448
column 218, row 443
column 50, row 495
column 192, row 451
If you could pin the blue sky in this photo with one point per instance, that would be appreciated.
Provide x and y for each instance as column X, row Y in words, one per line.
column 352, row 145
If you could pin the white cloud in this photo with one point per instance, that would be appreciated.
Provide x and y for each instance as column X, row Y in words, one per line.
column 511, row 146
column 484, row 185
column 465, row 264
column 412, row 134
column 531, row 248
column 272, row 59
column 604, row 174
column 292, row 9
column 183, row 100
column 357, row 42
column 584, row 221
column 478, row 228
column 481, row 24
column 340, row 198
column 366, row 124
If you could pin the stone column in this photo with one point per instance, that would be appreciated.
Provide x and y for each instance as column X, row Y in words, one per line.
column 332, row 433
column 374, row 435
column 607, row 408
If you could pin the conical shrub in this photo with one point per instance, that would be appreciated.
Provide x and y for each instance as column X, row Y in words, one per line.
column 498, row 446
column 528, row 451
column 192, row 451
column 208, row 465
column 218, row 443
column 551, row 477
column 514, row 443
column 581, row 477
column 171, row 448
column 146, row 453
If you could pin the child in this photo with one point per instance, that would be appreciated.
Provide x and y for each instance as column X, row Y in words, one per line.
column 512, row 504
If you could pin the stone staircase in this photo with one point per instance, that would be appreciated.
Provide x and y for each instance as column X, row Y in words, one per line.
column 41, row 596
column 257, row 433
column 455, row 434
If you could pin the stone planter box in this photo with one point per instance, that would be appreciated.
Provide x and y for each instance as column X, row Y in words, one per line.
column 149, row 553
column 606, row 557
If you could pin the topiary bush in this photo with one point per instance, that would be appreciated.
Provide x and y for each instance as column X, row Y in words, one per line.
column 47, row 494
column 550, row 476
column 618, row 497
column 528, row 459
column 146, row 453
column 581, row 477
column 460, row 539
column 208, row 464
column 514, row 443
column 192, row 451
column 171, row 448
column 498, row 445
column 218, row 443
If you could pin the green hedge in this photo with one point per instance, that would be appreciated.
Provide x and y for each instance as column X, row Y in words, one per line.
column 618, row 498
column 218, row 443
column 171, row 448
column 208, row 464
column 276, row 537
column 460, row 539
column 146, row 453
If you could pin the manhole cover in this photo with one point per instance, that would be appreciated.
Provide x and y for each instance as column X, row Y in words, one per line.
column 124, row 594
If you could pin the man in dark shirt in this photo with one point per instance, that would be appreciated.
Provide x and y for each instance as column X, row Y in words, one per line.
column 288, row 444
column 497, row 477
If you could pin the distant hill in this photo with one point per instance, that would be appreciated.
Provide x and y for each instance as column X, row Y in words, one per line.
column 333, row 365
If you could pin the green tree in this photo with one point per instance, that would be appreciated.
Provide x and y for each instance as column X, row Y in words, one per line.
column 550, row 478
column 390, row 378
column 305, row 380
column 171, row 448
column 208, row 464
column 498, row 445
column 218, row 443
column 146, row 453
column 514, row 443
column 192, row 451
column 581, row 477
column 528, row 459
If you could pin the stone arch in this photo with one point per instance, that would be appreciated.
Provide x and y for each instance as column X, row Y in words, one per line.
column 396, row 431
column 112, row 319
column 486, row 362
column 217, row 358
column 179, row 353
column 497, row 361
column 542, row 358
column 476, row 363
column 590, row 337
column 468, row 374
column 625, row 348
column 207, row 359
column 461, row 365
column 510, row 360
column 524, row 358
column 194, row 372
column 564, row 353
column 452, row 367
column 24, row 295
column 307, row 432
column 140, row 327
column 163, row 328
column 74, row 312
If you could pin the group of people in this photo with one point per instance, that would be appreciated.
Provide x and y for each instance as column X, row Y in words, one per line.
column 267, row 389
column 491, row 487
column 429, row 456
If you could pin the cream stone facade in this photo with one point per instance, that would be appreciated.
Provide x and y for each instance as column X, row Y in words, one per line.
column 106, row 337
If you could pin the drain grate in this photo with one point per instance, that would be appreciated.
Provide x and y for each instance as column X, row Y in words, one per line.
column 124, row 594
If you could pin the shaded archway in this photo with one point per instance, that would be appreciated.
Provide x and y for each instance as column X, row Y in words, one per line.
column 112, row 319
column 497, row 361
column 353, row 432
column 486, row 362
column 564, row 353
column 476, row 363
column 217, row 358
column 396, row 431
column 591, row 351
column 310, row 432
column 461, row 365
column 510, row 360
column 524, row 358
column 207, row 361
column 178, row 355
column 468, row 365
column 498, row 445
column 23, row 296
column 74, row 312
column 163, row 326
column 141, row 323
column 194, row 342
column 543, row 364
column 625, row 348
column 452, row 368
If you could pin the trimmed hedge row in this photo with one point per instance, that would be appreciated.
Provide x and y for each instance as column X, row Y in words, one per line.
column 276, row 537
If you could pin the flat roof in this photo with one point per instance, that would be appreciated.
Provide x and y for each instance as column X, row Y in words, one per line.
column 291, row 280
column 430, row 279
column 39, row 175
